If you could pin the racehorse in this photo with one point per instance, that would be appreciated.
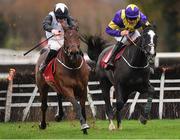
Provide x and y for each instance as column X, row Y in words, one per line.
column 70, row 77
column 131, row 72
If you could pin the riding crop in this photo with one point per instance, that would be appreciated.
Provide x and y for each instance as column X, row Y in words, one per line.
column 39, row 44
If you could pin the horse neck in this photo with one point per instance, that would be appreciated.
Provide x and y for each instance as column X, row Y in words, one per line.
column 135, row 55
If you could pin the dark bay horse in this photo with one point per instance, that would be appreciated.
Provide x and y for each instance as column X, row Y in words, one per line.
column 131, row 72
column 70, row 78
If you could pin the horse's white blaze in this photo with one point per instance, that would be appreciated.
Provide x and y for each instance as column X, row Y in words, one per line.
column 151, row 33
column 152, row 51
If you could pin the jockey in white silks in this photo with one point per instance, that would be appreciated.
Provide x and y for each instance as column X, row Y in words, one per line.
column 52, row 26
column 125, row 23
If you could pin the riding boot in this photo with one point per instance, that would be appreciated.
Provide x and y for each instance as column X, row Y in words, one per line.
column 116, row 49
column 51, row 54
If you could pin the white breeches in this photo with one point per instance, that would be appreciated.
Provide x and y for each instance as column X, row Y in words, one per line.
column 54, row 44
column 134, row 35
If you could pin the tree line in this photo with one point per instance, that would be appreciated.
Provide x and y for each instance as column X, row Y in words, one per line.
column 21, row 21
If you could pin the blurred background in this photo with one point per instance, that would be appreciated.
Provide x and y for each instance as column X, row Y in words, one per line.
column 21, row 28
column 21, row 20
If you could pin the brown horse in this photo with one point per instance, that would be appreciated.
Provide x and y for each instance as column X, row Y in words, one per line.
column 70, row 77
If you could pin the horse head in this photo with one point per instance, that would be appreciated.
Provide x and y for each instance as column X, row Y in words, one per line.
column 149, row 41
column 72, row 43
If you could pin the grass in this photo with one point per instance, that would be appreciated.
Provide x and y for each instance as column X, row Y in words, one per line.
column 132, row 129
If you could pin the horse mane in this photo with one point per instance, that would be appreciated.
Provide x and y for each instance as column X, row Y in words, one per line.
column 150, row 27
column 96, row 44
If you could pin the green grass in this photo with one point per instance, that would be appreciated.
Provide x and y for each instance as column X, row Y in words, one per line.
column 155, row 129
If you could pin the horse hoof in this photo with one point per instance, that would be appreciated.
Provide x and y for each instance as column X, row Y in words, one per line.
column 58, row 118
column 112, row 127
column 84, row 126
column 42, row 125
column 119, row 127
column 85, row 131
column 142, row 119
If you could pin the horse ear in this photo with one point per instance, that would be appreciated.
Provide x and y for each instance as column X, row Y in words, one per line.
column 76, row 22
column 154, row 25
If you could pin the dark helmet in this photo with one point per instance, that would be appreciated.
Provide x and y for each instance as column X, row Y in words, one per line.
column 61, row 11
column 132, row 11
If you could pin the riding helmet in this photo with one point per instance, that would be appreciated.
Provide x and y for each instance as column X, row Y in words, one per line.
column 61, row 11
column 132, row 11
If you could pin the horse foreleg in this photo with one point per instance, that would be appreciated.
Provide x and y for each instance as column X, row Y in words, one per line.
column 85, row 126
column 77, row 108
column 105, row 86
column 44, row 106
column 109, row 112
column 147, row 108
column 119, row 104
column 143, row 118
column 83, row 109
column 60, row 114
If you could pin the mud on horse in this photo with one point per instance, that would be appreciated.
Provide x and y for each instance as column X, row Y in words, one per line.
column 131, row 72
column 70, row 77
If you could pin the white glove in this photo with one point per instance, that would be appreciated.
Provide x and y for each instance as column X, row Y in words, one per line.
column 55, row 32
column 124, row 32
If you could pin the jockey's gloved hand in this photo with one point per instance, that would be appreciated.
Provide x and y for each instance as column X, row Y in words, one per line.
column 55, row 32
column 124, row 33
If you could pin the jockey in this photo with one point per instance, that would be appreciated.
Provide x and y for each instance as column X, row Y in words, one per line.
column 52, row 26
column 125, row 23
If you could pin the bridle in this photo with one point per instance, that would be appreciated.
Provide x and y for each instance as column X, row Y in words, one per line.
column 69, row 54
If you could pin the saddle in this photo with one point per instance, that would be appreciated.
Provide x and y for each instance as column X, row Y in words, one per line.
column 106, row 57
column 50, row 70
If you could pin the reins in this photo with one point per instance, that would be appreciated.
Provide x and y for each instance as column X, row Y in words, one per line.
column 135, row 67
column 131, row 40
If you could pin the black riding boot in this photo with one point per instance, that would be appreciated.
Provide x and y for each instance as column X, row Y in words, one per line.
column 51, row 54
column 116, row 49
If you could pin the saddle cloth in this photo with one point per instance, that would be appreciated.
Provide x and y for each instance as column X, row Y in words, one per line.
column 106, row 57
column 49, row 71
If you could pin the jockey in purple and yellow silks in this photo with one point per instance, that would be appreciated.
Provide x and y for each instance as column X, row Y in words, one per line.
column 125, row 22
